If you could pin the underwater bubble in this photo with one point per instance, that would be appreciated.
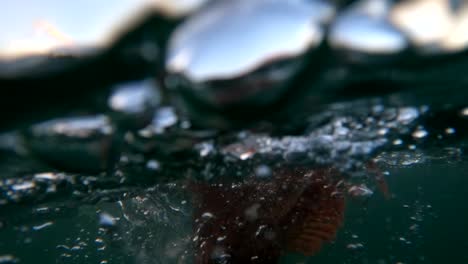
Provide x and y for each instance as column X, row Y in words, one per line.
column 464, row 112
column 450, row 130
column 42, row 226
column 221, row 238
column 8, row 259
column 207, row 215
column 251, row 212
column 24, row 186
column 383, row 131
column 107, row 220
column 407, row 114
column 205, row 148
column 414, row 227
column 420, row 133
column 153, row 165
column 164, row 118
column 246, row 155
column 355, row 246
column 222, row 259
column 260, row 230
column 99, row 241
column 48, row 176
column 263, row 171
column 360, row 191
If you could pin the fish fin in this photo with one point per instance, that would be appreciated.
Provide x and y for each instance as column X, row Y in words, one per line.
column 317, row 220
column 381, row 183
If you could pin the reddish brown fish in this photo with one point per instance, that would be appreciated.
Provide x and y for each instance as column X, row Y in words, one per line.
column 256, row 221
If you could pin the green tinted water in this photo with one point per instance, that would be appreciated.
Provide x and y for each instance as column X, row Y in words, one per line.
column 423, row 222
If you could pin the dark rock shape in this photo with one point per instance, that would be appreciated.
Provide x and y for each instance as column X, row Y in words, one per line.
column 82, row 144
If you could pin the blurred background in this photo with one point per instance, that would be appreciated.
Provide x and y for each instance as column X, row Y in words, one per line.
column 113, row 111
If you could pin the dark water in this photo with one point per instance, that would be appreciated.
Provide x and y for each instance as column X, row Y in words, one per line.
column 97, row 219
column 424, row 222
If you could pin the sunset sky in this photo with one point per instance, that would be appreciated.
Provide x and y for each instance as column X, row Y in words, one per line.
column 29, row 26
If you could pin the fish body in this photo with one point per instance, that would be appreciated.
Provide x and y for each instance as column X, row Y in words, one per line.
column 259, row 220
